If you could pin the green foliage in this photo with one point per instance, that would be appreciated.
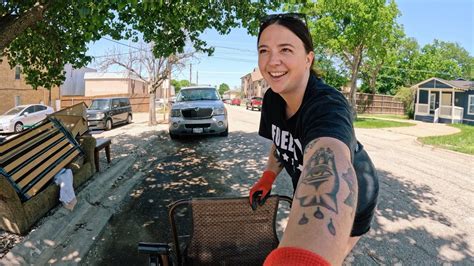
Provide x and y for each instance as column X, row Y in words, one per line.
column 351, row 29
column 66, row 28
column 407, row 97
column 461, row 142
column 179, row 84
column 223, row 88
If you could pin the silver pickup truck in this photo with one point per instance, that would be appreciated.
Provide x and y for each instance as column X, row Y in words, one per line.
column 198, row 110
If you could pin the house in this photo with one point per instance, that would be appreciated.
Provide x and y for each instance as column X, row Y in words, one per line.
column 74, row 84
column 14, row 91
column 253, row 84
column 444, row 101
column 107, row 84
column 231, row 94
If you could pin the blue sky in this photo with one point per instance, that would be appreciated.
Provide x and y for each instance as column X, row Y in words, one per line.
column 235, row 54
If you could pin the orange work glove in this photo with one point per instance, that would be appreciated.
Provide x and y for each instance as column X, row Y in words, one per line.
column 261, row 190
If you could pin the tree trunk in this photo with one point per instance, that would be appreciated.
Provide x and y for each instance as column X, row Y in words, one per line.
column 151, row 109
column 353, row 93
column 13, row 25
column 373, row 78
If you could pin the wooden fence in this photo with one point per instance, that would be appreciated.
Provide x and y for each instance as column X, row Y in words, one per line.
column 138, row 103
column 377, row 104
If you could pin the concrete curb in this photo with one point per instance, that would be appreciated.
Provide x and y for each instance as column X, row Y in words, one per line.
column 66, row 237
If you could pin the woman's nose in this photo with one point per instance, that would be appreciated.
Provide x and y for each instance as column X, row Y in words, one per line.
column 274, row 59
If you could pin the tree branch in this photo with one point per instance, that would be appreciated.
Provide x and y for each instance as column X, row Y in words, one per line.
column 13, row 25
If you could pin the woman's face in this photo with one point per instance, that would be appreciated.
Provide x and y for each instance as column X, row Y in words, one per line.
column 282, row 59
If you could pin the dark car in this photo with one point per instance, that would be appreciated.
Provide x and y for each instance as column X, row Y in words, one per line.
column 235, row 101
column 254, row 103
column 105, row 113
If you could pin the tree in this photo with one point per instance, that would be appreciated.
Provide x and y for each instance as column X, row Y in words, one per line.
column 334, row 76
column 179, row 84
column 350, row 29
column 44, row 35
column 377, row 57
column 223, row 88
column 157, row 69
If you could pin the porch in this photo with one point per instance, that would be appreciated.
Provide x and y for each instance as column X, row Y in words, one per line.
column 438, row 101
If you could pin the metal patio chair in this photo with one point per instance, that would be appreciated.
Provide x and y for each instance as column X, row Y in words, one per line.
column 222, row 231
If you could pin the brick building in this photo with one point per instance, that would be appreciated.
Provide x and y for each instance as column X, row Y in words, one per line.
column 253, row 84
column 14, row 90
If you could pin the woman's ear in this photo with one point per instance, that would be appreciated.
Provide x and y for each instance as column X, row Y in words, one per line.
column 309, row 58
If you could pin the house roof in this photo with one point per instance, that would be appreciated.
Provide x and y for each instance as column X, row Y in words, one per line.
column 111, row 75
column 255, row 75
column 455, row 84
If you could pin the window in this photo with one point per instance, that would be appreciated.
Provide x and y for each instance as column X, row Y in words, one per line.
column 17, row 72
column 432, row 101
column 39, row 108
column 17, row 100
column 470, row 105
column 115, row 103
column 446, row 99
column 29, row 110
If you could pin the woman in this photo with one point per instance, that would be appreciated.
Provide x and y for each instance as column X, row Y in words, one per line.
column 310, row 126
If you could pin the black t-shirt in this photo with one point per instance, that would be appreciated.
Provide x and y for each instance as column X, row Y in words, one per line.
column 324, row 112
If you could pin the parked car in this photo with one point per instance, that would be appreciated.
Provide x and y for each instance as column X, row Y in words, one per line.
column 105, row 113
column 19, row 117
column 235, row 101
column 198, row 110
column 254, row 102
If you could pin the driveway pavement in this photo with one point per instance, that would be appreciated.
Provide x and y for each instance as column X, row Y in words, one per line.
column 425, row 212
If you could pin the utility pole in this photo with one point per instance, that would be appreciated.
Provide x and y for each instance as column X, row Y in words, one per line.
column 190, row 74
column 197, row 77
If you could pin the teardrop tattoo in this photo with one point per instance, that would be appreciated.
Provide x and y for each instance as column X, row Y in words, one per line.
column 331, row 227
column 319, row 214
column 303, row 220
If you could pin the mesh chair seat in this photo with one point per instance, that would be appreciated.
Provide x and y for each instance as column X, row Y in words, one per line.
column 225, row 231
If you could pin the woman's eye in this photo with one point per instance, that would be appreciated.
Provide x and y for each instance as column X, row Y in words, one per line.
column 262, row 51
column 286, row 50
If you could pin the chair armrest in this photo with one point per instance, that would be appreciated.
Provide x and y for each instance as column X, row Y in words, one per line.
column 159, row 253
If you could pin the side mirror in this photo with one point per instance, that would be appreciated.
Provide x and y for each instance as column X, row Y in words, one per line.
column 26, row 114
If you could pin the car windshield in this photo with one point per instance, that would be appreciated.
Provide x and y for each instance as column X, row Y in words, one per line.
column 15, row 110
column 197, row 95
column 258, row 98
column 100, row 104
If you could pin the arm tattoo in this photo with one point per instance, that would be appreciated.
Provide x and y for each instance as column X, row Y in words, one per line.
column 350, row 178
column 278, row 159
column 319, row 187
column 310, row 145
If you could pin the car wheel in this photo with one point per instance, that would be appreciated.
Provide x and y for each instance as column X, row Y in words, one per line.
column 18, row 127
column 129, row 119
column 174, row 136
column 108, row 124
column 225, row 133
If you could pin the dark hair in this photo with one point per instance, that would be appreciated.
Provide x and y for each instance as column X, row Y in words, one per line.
column 295, row 23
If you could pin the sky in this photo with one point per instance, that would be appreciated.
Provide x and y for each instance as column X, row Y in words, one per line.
column 236, row 55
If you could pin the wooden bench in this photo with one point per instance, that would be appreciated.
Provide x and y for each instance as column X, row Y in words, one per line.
column 103, row 143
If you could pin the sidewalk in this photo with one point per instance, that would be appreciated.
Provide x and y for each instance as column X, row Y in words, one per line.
column 63, row 236
column 420, row 129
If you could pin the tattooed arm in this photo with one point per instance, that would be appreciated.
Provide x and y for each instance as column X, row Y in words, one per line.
column 323, row 209
column 274, row 163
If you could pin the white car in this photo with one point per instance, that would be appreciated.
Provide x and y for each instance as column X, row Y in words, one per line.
column 19, row 117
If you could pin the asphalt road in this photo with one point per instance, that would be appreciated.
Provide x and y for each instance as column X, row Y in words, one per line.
column 425, row 214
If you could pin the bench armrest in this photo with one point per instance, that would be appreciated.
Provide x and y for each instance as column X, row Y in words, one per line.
column 159, row 253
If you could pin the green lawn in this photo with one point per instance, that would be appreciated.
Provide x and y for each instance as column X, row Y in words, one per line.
column 461, row 142
column 368, row 122
column 404, row 117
